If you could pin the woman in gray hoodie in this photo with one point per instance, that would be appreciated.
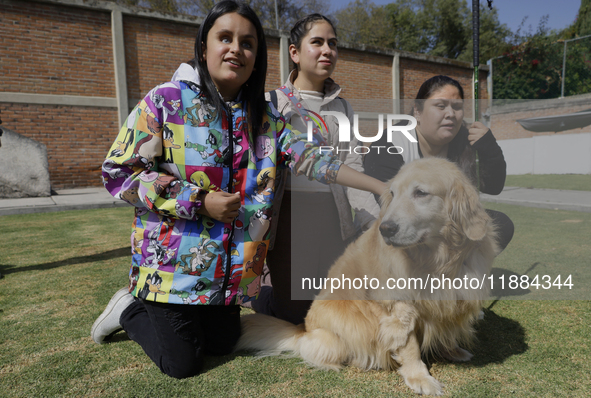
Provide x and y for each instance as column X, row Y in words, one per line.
column 316, row 220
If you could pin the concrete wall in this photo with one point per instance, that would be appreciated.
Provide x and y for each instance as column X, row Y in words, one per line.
column 72, row 69
column 566, row 152
column 557, row 154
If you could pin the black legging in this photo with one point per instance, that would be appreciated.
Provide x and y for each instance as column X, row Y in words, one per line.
column 177, row 336
column 318, row 243
column 504, row 225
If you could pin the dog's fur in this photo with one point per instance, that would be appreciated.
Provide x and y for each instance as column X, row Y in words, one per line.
column 431, row 223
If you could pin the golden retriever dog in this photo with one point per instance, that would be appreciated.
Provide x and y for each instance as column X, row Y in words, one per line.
column 431, row 250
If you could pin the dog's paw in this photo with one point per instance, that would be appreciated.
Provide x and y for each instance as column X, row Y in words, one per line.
column 425, row 385
column 457, row 355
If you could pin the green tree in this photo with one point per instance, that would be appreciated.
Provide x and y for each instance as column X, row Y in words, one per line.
column 437, row 27
column 288, row 11
column 447, row 28
column 426, row 26
column 169, row 6
column 532, row 66
column 364, row 22
column 408, row 26
column 583, row 23
column 494, row 37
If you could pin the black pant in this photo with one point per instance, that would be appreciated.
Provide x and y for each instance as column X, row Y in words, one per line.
column 306, row 245
column 177, row 336
column 504, row 226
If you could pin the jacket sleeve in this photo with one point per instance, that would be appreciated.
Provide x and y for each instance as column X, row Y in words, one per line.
column 134, row 170
column 491, row 163
column 363, row 203
column 307, row 158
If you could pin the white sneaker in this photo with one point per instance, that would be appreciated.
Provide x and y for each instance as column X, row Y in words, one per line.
column 108, row 322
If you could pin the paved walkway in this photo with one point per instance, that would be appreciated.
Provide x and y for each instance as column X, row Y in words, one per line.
column 544, row 198
column 94, row 198
column 67, row 199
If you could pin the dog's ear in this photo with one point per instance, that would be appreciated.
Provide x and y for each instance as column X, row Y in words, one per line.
column 466, row 213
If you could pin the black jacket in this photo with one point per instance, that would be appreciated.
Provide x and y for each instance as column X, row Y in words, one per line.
column 491, row 162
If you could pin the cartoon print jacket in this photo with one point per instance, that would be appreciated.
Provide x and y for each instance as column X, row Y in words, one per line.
column 173, row 145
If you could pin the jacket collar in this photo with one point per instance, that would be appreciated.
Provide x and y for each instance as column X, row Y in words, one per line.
column 187, row 73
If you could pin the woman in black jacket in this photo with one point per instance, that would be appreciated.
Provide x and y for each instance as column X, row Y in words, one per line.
column 441, row 131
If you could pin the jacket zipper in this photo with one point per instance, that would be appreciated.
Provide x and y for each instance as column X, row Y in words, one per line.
column 230, row 190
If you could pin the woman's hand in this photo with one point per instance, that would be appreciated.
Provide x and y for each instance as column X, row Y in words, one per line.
column 476, row 131
column 221, row 206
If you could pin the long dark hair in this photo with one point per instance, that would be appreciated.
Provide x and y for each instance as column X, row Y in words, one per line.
column 253, row 92
column 302, row 27
column 466, row 160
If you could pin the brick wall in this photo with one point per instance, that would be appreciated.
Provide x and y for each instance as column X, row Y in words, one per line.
column 273, row 68
column 77, row 138
column 153, row 51
column 364, row 75
column 48, row 49
column 54, row 47
column 414, row 72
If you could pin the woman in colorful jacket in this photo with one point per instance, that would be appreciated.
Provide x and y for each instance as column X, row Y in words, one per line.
column 192, row 158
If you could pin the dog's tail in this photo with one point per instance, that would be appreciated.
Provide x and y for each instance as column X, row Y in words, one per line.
column 269, row 335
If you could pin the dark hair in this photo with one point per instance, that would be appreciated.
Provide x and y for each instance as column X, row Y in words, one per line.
column 303, row 26
column 254, row 97
column 432, row 85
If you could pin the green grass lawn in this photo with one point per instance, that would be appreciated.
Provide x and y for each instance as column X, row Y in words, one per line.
column 575, row 182
column 60, row 269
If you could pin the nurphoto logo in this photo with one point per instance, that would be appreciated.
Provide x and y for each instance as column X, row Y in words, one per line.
column 345, row 132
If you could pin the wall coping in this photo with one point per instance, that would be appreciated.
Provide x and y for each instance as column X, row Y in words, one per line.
column 521, row 105
column 108, row 6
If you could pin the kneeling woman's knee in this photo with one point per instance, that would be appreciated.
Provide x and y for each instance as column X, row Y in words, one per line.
column 183, row 368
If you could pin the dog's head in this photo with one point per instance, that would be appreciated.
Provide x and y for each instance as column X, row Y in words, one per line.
column 431, row 200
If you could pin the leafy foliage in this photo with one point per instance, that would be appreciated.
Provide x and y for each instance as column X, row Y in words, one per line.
column 288, row 11
column 364, row 22
column 437, row 27
column 532, row 66
column 527, row 65
column 494, row 36
column 170, row 6
column 583, row 23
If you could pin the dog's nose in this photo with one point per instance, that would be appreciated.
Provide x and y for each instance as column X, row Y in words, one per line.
column 388, row 229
